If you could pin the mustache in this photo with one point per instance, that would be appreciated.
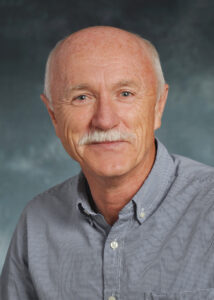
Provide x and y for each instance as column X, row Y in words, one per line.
column 112, row 135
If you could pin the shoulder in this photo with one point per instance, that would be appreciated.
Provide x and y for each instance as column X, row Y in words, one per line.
column 193, row 192
column 192, row 169
column 193, row 175
column 185, row 172
column 55, row 202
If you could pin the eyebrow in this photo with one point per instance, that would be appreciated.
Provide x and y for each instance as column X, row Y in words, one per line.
column 79, row 87
column 125, row 83
column 85, row 86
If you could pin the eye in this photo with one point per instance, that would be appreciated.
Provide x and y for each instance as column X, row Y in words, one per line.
column 81, row 97
column 125, row 94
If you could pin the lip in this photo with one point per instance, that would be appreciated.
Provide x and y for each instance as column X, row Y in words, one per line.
column 108, row 145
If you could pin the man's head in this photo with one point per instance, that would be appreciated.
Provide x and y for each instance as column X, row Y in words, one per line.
column 105, row 84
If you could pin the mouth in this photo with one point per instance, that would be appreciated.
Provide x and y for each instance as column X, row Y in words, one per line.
column 108, row 145
column 107, row 142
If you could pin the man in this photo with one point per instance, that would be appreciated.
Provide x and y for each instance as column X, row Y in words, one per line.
column 137, row 222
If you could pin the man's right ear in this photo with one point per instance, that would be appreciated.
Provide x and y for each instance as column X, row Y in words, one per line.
column 48, row 105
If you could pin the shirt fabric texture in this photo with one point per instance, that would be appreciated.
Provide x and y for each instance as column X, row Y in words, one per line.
column 160, row 248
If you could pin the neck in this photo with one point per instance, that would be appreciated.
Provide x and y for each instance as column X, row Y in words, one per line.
column 111, row 194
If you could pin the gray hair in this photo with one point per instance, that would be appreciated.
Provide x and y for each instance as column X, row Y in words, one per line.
column 47, row 90
column 155, row 60
column 111, row 135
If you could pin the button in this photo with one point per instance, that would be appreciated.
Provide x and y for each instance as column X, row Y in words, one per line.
column 142, row 214
column 114, row 245
column 111, row 298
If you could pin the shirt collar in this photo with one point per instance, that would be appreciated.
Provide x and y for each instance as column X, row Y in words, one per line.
column 84, row 202
column 148, row 197
column 156, row 185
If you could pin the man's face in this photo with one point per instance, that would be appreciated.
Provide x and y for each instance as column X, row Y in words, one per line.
column 107, row 90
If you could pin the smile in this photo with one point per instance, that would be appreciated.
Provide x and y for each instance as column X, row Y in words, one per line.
column 108, row 144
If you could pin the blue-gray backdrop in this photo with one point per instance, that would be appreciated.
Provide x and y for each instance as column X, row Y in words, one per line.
column 31, row 157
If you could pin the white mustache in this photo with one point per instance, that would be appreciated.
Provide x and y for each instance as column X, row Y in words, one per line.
column 111, row 135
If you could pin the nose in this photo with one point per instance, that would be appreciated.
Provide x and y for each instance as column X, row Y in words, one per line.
column 105, row 115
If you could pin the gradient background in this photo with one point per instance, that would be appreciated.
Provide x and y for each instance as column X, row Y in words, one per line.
column 31, row 157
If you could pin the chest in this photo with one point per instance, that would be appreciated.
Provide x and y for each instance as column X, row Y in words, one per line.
column 162, row 257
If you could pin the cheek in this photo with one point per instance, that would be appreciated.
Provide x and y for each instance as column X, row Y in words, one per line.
column 73, row 122
column 140, row 120
column 138, row 117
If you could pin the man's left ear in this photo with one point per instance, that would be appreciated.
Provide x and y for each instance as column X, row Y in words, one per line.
column 159, row 107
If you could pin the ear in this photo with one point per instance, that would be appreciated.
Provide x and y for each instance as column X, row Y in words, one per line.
column 159, row 107
column 49, row 107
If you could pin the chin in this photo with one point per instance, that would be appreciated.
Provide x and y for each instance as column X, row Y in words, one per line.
column 108, row 163
column 110, row 170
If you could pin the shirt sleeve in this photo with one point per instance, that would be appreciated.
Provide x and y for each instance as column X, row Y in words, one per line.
column 15, row 280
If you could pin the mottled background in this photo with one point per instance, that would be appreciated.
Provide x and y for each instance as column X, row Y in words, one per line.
column 31, row 158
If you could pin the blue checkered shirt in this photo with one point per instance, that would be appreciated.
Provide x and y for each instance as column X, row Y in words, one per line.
column 160, row 248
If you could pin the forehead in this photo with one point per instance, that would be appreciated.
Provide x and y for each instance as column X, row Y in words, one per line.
column 102, row 41
column 104, row 60
column 92, row 60
column 108, row 64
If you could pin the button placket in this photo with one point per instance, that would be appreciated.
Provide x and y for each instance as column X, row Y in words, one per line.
column 112, row 256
